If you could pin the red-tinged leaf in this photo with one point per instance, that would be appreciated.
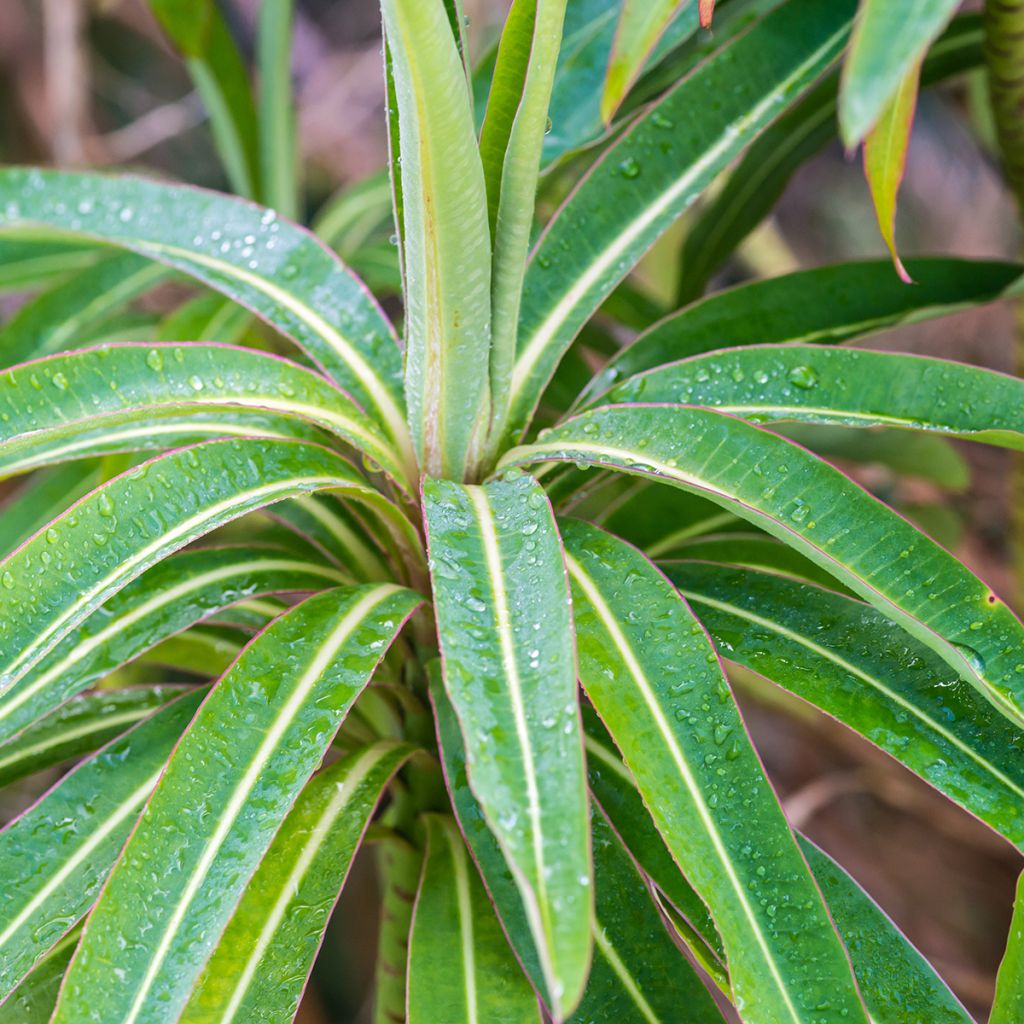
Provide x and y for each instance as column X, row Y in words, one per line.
column 707, row 10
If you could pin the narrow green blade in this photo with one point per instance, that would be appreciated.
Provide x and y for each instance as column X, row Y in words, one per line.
column 284, row 698
column 279, row 154
column 652, row 675
column 32, row 1002
column 461, row 970
column 1009, row 1001
column 810, row 505
column 505, row 634
column 261, row 964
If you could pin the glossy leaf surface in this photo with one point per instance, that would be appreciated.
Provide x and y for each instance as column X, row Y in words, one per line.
column 651, row 674
column 1009, row 1000
column 505, row 634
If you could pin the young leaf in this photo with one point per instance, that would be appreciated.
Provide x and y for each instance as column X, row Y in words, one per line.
column 399, row 870
column 278, row 142
column 58, row 577
column 888, row 41
column 49, row 886
column 1009, row 1001
column 652, row 676
column 505, row 634
column 272, row 267
column 510, row 149
column 639, row 974
column 261, row 963
column 827, row 305
column 847, row 659
column 79, row 727
column 446, row 240
column 640, row 26
column 885, row 159
column 461, row 969
column 168, row 598
column 121, row 386
column 655, row 171
column 813, row 507
column 843, row 387
column 285, row 696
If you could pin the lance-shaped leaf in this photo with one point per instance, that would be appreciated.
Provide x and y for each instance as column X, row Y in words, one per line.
column 652, row 675
column 824, row 306
column 208, row 317
column 461, row 969
column 58, row 319
column 198, row 29
column 32, row 1002
column 278, row 142
column 510, row 147
column 272, row 267
column 80, row 726
column 261, row 964
column 48, row 404
column 899, row 985
column 640, row 26
column 27, row 262
column 505, row 633
column 445, row 239
column 655, row 171
column 168, row 598
column 760, row 178
column 639, row 974
column 810, row 505
column 888, row 42
column 845, row 658
column 1009, row 1001
column 843, row 387
column 220, row 801
column 885, row 159
column 48, row 886
column 62, row 574
column 399, row 868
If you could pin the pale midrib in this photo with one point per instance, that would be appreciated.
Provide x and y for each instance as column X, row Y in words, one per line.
column 239, row 500
column 549, row 327
column 56, row 880
column 622, row 972
column 463, row 898
column 496, row 576
column 227, row 819
column 635, row 669
column 290, row 888
column 154, row 604
column 853, row 670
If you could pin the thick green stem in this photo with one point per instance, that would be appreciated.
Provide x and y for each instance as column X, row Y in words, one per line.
column 1004, row 58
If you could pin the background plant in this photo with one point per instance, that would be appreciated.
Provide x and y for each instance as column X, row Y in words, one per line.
column 538, row 840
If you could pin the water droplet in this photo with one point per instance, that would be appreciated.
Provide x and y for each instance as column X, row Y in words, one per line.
column 629, row 168
column 60, row 381
column 8, row 581
column 971, row 656
column 805, row 377
column 154, row 360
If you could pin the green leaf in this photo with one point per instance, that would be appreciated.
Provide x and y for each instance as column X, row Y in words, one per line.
column 658, row 168
column 640, row 26
column 207, row 317
column 27, row 262
column 399, row 870
column 899, row 985
column 888, row 41
column 167, row 598
column 505, row 634
column 510, row 148
column 810, row 505
column 58, row 577
column 847, row 659
column 279, row 155
column 652, row 676
column 446, row 240
column 1009, row 1001
column 842, row 387
column 760, row 178
column 33, row 1000
column 885, row 159
column 79, row 727
column 284, row 698
column 261, row 963
column 639, row 975
column 461, row 970
column 50, row 885
column 270, row 266
column 199, row 31
column 57, row 319
column 827, row 305
column 109, row 393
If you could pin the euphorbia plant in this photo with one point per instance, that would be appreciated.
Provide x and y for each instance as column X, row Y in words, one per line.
column 397, row 585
